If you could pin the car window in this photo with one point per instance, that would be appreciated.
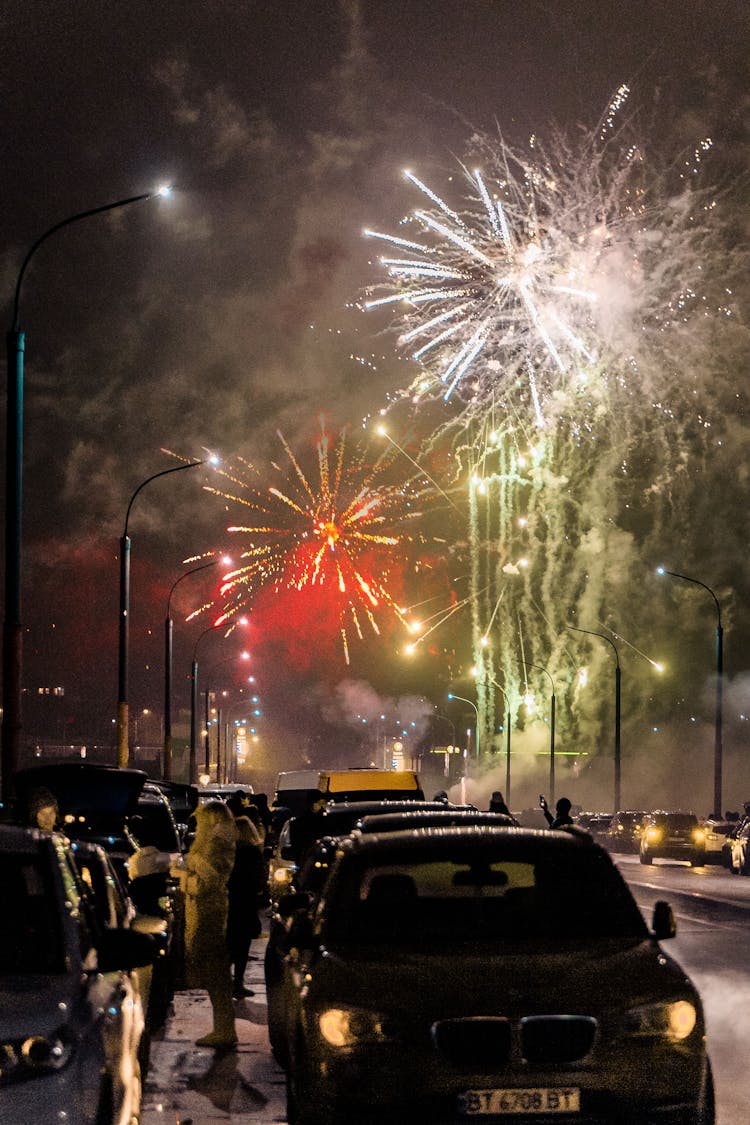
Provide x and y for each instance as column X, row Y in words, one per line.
column 554, row 898
column 679, row 820
column 31, row 938
column 153, row 826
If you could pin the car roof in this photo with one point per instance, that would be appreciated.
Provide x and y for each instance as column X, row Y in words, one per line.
column 417, row 842
column 83, row 787
column 426, row 818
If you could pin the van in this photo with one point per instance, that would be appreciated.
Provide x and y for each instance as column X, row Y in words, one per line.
column 370, row 785
column 294, row 788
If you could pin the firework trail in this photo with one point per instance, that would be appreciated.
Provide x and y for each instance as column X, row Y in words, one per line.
column 342, row 535
column 572, row 310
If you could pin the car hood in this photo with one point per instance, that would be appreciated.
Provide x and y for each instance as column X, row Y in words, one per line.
column 84, row 789
column 613, row 975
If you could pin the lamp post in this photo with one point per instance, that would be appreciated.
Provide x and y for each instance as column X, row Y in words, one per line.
column 446, row 763
column 540, row 668
column 718, row 746
column 463, row 699
column 168, row 631
column 194, row 707
column 124, row 630
column 12, row 627
column 618, row 694
column 507, row 739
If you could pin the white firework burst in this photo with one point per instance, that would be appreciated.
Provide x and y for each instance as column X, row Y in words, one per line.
column 554, row 264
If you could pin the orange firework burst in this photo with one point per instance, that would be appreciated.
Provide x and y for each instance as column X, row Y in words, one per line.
column 343, row 535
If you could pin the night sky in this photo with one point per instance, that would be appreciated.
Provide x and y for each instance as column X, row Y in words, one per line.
column 211, row 320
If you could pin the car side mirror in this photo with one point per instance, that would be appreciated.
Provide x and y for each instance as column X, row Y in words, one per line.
column 663, row 925
column 120, row 950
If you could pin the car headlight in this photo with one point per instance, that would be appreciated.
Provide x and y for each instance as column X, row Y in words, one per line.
column 699, row 836
column 36, row 1054
column 350, row 1027
column 282, row 876
column 653, row 834
column 674, row 1021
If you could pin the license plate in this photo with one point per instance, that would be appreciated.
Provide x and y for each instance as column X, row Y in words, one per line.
column 551, row 1099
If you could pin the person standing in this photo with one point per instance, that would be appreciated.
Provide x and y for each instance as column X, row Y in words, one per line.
column 44, row 812
column 208, row 867
column 497, row 803
column 562, row 808
column 246, row 887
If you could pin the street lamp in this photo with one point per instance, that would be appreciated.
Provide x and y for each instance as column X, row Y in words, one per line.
column 194, row 707
column 12, row 627
column 476, row 712
column 124, row 631
column 168, row 631
column 446, row 762
column 618, row 686
column 718, row 747
column 540, row 668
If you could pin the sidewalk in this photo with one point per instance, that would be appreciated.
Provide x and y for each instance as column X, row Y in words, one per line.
column 189, row 1085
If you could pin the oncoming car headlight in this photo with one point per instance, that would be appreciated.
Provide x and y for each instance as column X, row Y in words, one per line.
column 653, row 834
column 699, row 835
column 350, row 1027
column 675, row 1021
column 283, row 875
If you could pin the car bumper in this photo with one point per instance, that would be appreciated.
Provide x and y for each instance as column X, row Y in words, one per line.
column 636, row 1085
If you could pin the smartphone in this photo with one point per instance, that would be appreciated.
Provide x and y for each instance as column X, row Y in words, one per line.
column 542, row 799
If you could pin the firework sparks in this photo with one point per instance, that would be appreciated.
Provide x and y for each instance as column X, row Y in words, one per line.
column 554, row 274
column 575, row 304
column 341, row 535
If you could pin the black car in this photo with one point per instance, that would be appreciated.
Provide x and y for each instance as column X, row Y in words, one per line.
column 130, row 818
column 457, row 973
column 624, row 831
column 336, row 819
column 673, row 835
column 71, row 1015
column 308, row 882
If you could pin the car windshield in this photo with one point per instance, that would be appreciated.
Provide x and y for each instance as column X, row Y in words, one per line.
column 30, row 936
column 679, row 821
column 553, row 898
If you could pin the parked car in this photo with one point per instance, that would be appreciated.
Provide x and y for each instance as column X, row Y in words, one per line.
column 460, row 972
column 739, row 849
column 109, row 906
column 673, row 835
column 717, row 832
column 71, row 1016
column 336, row 819
column 130, row 818
column 307, row 884
column 624, row 831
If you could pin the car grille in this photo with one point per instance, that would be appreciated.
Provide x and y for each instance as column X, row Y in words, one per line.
column 557, row 1039
column 476, row 1042
column 490, row 1042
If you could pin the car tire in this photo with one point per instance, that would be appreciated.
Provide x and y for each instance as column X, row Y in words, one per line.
column 297, row 1110
column 105, row 1110
column 706, row 1114
column 646, row 858
column 697, row 861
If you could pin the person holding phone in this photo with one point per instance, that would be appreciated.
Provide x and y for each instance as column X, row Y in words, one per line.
column 562, row 808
